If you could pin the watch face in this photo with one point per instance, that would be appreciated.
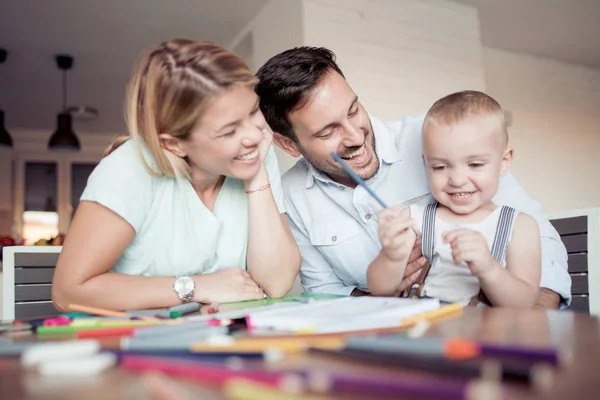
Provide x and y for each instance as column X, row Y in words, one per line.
column 184, row 285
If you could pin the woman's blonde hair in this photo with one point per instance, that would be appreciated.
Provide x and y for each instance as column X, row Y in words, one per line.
column 171, row 87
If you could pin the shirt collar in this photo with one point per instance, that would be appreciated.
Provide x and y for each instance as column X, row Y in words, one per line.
column 384, row 146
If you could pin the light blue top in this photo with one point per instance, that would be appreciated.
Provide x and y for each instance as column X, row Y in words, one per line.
column 336, row 227
column 175, row 234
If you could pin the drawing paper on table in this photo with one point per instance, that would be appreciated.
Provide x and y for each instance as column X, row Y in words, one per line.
column 345, row 314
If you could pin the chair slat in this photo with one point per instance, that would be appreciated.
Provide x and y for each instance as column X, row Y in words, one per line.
column 570, row 226
column 579, row 284
column 578, row 263
column 575, row 243
column 36, row 259
column 580, row 304
column 33, row 292
column 42, row 309
column 33, row 275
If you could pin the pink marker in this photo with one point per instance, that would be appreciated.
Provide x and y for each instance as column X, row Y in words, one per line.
column 61, row 320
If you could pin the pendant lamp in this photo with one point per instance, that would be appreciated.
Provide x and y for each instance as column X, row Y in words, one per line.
column 64, row 138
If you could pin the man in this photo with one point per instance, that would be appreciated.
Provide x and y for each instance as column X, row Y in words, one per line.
column 313, row 111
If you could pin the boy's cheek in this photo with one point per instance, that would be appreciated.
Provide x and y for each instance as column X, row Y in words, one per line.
column 436, row 184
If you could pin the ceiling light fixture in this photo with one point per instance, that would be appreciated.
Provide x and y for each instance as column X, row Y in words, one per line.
column 64, row 138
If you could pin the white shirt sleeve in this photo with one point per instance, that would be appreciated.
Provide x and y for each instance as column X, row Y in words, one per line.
column 272, row 168
column 554, row 254
column 121, row 183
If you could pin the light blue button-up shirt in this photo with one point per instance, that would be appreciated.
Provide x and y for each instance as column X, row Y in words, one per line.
column 336, row 226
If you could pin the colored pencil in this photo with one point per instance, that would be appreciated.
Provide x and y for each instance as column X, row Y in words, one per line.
column 456, row 348
column 175, row 341
column 442, row 312
column 494, row 369
column 106, row 313
column 249, row 389
column 288, row 344
column 213, row 373
column 103, row 332
column 378, row 386
column 179, row 310
column 306, row 383
column 187, row 355
column 547, row 355
column 171, row 329
column 451, row 349
column 357, row 179
column 73, row 329
column 412, row 362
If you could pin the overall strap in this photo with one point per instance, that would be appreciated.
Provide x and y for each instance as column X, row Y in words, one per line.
column 427, row 244
column 503, row 228
column 428, row 235
column 505, row 221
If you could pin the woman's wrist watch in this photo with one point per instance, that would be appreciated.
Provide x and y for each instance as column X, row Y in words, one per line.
column 184, row 287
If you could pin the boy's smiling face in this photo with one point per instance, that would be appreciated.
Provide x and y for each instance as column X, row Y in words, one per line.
column 465, row 160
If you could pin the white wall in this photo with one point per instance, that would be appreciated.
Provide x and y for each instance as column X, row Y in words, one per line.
column 278, row 26
column 555, row 109
column 399, row 56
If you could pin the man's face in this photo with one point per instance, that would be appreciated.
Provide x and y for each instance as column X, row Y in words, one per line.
column 333, row 120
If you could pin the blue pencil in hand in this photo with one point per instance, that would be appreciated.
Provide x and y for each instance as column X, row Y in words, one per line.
column 357, row 179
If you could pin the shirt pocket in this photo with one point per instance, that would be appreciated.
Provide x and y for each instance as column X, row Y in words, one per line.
column 340, row 243
column 334, row 233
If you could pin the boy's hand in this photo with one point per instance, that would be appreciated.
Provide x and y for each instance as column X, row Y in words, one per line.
column 470, row 246
column 396, row 233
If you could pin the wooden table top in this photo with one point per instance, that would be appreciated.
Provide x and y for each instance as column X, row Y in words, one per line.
column 576, row 333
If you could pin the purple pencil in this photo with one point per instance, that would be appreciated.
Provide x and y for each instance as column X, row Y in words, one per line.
column 396, row 385
column 548, row 355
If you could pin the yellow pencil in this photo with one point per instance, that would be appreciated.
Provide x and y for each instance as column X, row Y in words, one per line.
column 259, row 344
column 444, row 311
column 107, row 313
column 246, row 389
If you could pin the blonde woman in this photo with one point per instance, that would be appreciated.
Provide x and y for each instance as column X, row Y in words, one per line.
column 188, row 207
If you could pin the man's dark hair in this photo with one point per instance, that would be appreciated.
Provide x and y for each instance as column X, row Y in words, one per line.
column 286, row 80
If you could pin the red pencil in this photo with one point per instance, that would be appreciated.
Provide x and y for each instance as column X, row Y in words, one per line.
column 100, row 332
column 213, row 373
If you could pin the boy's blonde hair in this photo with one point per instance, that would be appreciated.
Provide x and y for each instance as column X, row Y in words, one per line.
column 457, row 107
column 172, row 85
